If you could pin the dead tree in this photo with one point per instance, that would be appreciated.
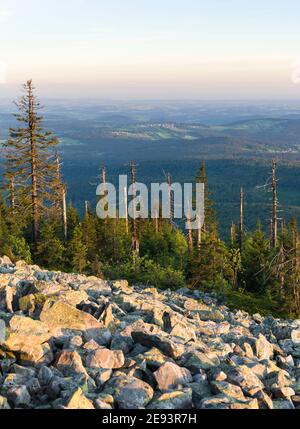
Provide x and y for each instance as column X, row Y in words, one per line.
column 274, row 191
column 189, row 228
column 57, row 184
column 86, row 207
column 241, row 229
column 199, row 233
column 170, row 199
column 126, row 210
column 64, row 212
column 135, row 241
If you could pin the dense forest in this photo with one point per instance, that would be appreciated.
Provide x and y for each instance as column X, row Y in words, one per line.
column 258, row 270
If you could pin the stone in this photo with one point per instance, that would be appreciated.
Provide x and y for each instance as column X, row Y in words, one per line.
column 166, row 345
column 45, row 375
column 107, row 317
column 264, row 400
column 283, row 392
column 226, row 402
column 214, row 316
column 123, row 286
column 27, row 303
column 295, row 336
column 33, row 386
column 75, row 342
column 79, row 401
column 263, row 349
column 197, row 360
column 243, row 377
column 2, row 331
column 91, row 345
column 101, row 405
column 183, row 331
column 63, row 315
column 132, row 393
column 181, row 399
column 25, row 332
column 29, row 338
column 69, row 363
column 154, row 358
column 170, row 375
column 100, row 375
column 4, row 405
column 105, row 358
column 283, row 405
column 106, row 345
column 19, row 396
column 101, row 336
column 228, row 389
column 73, row 297
column 200, row 390
column 6, row 298
column 220, row 376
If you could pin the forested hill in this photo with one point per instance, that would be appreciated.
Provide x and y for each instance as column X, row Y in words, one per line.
column 46, row 180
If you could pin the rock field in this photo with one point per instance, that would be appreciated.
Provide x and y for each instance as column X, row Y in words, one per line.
column 69, row 341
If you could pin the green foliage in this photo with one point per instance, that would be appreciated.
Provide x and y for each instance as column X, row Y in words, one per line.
column 146, row 271
column 257, row 259
column 16, row 248
column 252, row 303
column 49, row 250
column 77, row 251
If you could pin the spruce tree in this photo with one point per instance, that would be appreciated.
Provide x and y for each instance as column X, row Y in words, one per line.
column 28, row 159
column 209, row 212
column 49, row 250
column 77, row 251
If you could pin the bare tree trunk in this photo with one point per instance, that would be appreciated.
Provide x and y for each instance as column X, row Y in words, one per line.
column 135, row 242
column 103, row 174
column 126, row 210
column 86, row 207
column 34, row 185
column 241, row 230
column 274, row 190
column 271, row 232
column 170, row 199
column 64, row 212
column 199, row 233
column 190, row 232
column 58, row 182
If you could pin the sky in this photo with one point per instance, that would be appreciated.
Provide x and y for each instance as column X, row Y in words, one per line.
column 152, row 49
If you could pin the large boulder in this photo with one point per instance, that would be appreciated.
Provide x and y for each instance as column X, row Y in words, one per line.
column 79, row 401
column 131, row 392
column 170, row 375
column 65, row 316
column 166, row 345
column 28, row 339
column 105, row 358
column 69, row 363
column 178, row 399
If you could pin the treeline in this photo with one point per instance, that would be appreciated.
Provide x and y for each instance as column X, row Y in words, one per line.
column 256, row 270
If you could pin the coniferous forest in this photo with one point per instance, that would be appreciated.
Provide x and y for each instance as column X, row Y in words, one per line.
column 256, row 270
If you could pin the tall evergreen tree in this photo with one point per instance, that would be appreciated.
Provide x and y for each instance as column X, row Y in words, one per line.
column 28, row 159
column 209, row 212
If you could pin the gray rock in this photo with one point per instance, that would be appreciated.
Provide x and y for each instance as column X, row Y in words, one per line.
column 170, row 375
column 180, row 399
column 19, row 396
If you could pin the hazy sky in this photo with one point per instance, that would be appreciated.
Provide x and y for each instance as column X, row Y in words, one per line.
column 166, row 49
